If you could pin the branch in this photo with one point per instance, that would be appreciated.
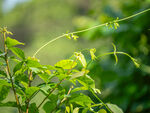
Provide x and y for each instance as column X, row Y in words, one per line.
column 49, row 94
column 64, row 99
column 29, row 85
column 88, row 29
column 9, row 73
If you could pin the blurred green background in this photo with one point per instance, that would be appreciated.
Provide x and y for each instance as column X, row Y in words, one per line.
column 35, row 22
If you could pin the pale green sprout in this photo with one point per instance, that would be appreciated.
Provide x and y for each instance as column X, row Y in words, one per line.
column 113, row 24
column 116, row 24
column 4, row 29
column 74, row 36
column 81, row 58
column 71, row 35
column 92, row 53
column 68, row 36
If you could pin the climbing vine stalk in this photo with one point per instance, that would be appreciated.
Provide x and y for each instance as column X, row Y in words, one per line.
column 84, row 30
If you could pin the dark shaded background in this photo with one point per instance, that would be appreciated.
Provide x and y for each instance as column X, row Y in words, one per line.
column 35, row 22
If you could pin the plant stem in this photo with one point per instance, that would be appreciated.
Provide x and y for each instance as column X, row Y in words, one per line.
column 9, row 73
column 101, row 102
column 84, row 30
column 29, row 85
column 49, row 94
column 62, row 100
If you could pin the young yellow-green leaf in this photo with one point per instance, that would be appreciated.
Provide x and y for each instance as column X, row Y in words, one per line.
column 71, row 108
column 68, row 36
column 81, row 58
column 18, row 52
column 66, row 64
column 92, row 51
column 4, row 90
column 78, row 74
column 116, row 25
column 67, row 109
column 74, row 36
column 88, row 82
column 81, row 99
column 79, row 89
column 102, row 111
column 114, row 108
column 4, row 30
column 85, row 110
column 4, row 83
column 76, row 110
column 33, row 62
column 44, row 77
column 24, row 84
column 12, row 42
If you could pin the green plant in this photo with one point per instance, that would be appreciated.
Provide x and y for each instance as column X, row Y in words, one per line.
column 57, row 98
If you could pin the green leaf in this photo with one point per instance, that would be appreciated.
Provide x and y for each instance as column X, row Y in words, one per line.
column 18, row 52
column 12, row 42
column 81, row 99
column 85, row 110
column 66, row 64
column 92, row 51
column 8, row 104
column 79, row 89
column 114, row 108
column 3, row 74
column 33, row 108
column 102, row 111
column 33, row 62
column 76, row 75
column 4, row 90
column 18, row 67
column 24, row 84
column 81, row 58
column 61, row 76
column 50, row 105
column 88, row 82
column 4, row 83
column 30, row 91
column 46, row 77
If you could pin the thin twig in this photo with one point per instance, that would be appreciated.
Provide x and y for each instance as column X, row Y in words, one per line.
column 64, row 99
column 29, row 85
column 9, row 73
column 49, row 94
column 102, row 102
